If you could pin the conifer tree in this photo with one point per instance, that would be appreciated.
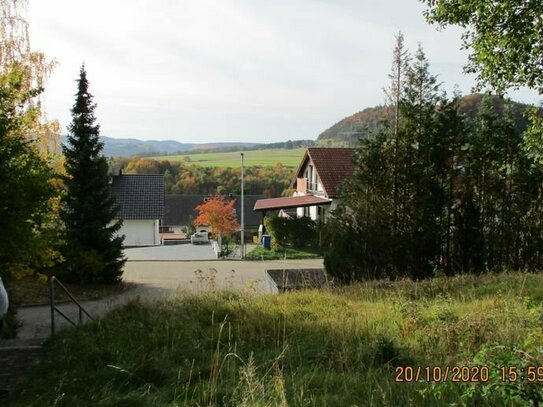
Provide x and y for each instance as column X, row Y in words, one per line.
column 93, row 249
column 421, row 195
column 438, row 195
column 394, row 93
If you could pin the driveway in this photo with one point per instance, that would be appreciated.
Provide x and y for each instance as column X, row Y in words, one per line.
column 171, row 252
column 179, row 276
column 161, row 279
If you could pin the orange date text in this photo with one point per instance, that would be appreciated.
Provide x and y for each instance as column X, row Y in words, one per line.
column 460, row 374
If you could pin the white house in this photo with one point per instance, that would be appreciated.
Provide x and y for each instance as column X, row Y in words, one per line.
column 141, row 207
column 317, row 184
column 320, row 174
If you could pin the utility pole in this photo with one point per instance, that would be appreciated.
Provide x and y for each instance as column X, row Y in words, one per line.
column 242, row 213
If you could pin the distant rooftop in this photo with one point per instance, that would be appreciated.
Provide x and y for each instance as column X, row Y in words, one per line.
column 180, row 209
column 139, row 196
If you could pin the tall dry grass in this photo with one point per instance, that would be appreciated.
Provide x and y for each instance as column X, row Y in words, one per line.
column 331, row 347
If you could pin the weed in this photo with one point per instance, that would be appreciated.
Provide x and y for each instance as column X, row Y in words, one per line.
column 333, row 347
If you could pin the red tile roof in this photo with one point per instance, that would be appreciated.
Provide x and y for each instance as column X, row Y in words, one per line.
column 333, row 165
column 290, row 202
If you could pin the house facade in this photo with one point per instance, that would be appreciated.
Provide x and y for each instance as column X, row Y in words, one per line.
column 320, row 174
column 141, row 207
column 317, row 184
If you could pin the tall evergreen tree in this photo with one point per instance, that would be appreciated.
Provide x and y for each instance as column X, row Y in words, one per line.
column 394, row 93
column 438, row 195
column 422, row 196
column 93, row 249
column 360, row 234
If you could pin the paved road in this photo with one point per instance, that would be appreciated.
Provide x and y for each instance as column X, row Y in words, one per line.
column 159, row 279
column 172, row 252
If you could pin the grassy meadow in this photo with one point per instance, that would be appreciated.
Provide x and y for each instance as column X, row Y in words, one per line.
column 332, row 347
column 253, row 158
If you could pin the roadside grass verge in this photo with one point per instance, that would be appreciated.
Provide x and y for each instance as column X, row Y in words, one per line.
column 260, row 253
column 335, row 347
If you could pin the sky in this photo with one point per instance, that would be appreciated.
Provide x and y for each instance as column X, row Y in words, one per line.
column 233, row 70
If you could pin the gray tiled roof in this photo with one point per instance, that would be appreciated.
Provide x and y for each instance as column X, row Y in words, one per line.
column 139, row 196
column 179, row 209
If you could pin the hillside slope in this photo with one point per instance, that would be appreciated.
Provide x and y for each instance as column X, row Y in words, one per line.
column 129, row 147
column 348, row 130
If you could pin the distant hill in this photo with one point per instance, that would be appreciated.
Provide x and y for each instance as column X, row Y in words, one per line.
column 128, row 147
column 348, row 131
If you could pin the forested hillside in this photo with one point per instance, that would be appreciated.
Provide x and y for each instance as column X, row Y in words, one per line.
column 188, row 178
column 348, row 131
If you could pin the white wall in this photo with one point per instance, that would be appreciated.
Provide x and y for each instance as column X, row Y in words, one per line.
column 313, row 211
column 140, row 232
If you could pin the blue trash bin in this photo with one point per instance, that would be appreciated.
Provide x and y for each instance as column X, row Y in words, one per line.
column 266, row 241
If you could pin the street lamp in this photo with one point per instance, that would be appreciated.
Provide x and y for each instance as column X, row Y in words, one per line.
column 242, row 213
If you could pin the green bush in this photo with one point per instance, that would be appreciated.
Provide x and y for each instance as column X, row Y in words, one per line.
column 292, row 232
column 513, row 379
column 84, row 266
column 260, row 253
column 346, row 256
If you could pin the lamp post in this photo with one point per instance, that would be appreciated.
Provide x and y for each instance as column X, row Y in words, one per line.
column 242, row 213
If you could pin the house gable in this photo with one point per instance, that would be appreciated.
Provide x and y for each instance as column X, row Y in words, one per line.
column 329, row 167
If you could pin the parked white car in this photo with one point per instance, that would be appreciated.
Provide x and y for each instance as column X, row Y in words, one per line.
column 199, row 238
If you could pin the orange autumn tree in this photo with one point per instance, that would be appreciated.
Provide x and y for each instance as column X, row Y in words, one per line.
column 219, row 214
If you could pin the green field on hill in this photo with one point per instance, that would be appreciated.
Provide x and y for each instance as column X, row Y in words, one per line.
column 253, row 158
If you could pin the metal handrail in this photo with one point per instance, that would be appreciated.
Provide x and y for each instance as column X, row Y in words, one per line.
column 54, row 308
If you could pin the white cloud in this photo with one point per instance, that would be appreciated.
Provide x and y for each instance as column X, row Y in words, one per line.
column 244, row 70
